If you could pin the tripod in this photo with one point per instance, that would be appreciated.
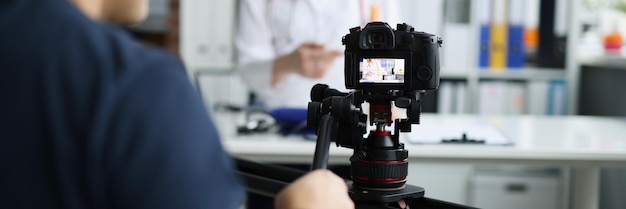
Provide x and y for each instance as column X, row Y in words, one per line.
column 379, row 165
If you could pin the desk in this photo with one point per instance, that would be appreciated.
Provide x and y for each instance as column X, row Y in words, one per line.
column 582, row 143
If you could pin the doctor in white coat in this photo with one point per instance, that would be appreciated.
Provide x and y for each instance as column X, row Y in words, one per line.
column 287, row 46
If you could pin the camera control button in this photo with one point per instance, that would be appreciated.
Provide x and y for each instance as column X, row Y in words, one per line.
column 424, row 73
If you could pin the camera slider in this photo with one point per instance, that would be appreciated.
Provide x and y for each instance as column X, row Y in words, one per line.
column 268, row 180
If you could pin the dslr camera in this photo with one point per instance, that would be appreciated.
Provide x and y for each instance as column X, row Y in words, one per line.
column 379, row 58
column 384, row 67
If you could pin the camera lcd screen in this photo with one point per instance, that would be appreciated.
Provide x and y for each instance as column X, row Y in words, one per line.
column 381, row 70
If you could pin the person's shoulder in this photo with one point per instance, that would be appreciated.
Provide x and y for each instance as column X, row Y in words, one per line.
column 126, row 55
column 132, row 62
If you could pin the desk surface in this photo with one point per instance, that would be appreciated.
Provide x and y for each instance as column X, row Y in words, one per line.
column 551, row 140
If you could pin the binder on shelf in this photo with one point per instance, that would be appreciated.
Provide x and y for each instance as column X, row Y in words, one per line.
column 515, row 49
column 460, row 98
column 501, row 97
column 498, row 44
column 452, row 97
column 552, row 33
column 515, row 98
column 537, row 97
column 492, row 96
column 531, row 29
column 557, row 100
column 484, row 19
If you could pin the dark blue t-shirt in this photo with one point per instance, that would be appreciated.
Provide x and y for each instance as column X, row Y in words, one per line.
column 90, row 119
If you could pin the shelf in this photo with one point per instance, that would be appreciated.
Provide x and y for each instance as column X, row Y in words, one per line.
column 523, row 74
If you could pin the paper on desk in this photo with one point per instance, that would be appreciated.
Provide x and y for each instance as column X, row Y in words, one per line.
column 434, row 134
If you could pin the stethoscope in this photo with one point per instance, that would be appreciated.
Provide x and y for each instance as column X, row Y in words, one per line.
column 284, row 38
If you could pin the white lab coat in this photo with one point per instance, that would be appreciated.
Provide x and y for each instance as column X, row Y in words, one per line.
column 268, row 29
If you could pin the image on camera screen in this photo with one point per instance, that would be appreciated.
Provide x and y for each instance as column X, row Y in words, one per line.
column 381, row 70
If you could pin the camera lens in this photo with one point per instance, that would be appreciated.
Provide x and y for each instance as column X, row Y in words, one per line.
column 376, row 37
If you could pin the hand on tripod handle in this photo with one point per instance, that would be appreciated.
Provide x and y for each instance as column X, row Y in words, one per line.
column 317, row 189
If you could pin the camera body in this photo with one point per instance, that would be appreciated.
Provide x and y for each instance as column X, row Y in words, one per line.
column 379, row 58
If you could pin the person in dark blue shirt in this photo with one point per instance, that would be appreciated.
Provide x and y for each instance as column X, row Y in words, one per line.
column 90, row 119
